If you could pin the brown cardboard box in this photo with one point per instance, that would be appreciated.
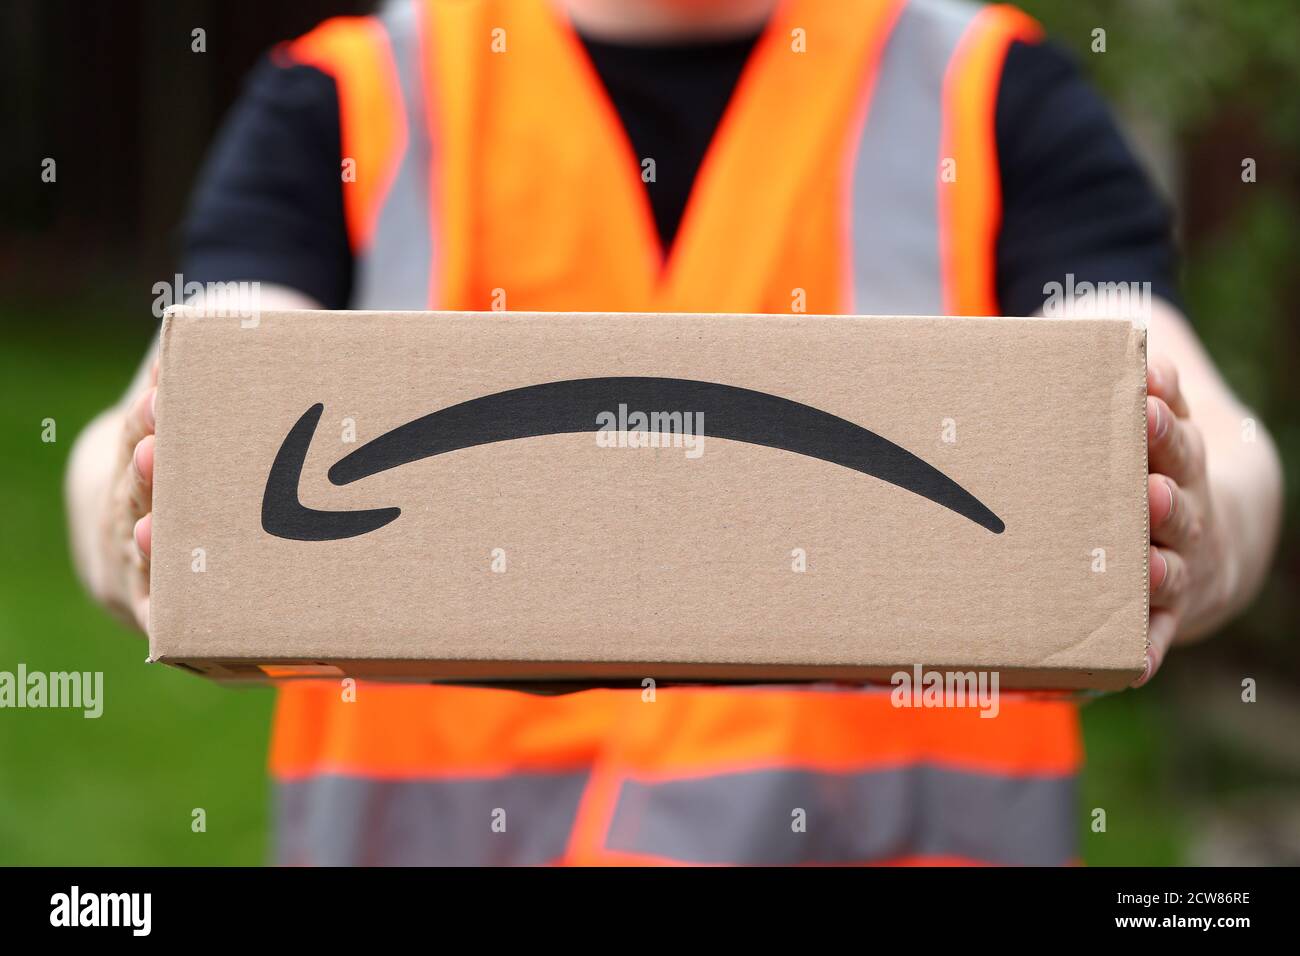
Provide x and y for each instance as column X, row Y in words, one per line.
column 870, row 493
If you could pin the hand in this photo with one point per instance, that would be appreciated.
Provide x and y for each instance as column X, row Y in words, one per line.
column 1190, row 560
column 130, row 521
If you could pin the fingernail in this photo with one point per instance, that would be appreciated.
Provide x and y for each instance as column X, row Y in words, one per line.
column 1146, row 672
column 135, row 536
column 1161, row 423
column 1169, row 490
column 1159, row 559
column 1157, row 380
column 153, row 407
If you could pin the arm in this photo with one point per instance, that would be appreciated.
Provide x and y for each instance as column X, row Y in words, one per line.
column 109, row 486
column 1215, row 490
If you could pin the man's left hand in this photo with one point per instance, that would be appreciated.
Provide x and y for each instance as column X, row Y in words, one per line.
column 1190, row 561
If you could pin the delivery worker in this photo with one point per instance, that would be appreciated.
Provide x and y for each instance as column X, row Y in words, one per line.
column 876, row 156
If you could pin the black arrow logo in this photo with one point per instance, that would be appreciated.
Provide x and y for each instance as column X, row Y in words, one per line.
column 553, row 408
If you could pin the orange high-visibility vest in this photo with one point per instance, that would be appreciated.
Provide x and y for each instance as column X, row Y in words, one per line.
column 855, row 170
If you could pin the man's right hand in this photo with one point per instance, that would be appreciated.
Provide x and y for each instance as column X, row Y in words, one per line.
column 130, row 531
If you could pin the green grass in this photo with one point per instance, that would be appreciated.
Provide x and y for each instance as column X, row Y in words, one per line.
column 121, row 789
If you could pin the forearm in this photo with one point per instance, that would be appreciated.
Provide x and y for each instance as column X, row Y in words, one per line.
column 1245, row 475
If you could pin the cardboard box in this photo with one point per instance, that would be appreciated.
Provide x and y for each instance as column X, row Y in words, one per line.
column 455, row 496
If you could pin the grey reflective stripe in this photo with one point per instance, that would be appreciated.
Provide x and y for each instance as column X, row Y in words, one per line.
column 895, row 205
column 877, row 816
column 354, row 821
column 394, row 272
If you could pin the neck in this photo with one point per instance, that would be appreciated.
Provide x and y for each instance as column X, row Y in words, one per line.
column 666, row 19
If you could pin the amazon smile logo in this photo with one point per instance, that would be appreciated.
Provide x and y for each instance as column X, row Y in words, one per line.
column 556, row 408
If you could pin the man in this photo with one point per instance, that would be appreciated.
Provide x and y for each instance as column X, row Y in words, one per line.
column 927, row 156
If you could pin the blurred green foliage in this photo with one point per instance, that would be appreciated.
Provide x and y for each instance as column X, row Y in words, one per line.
column 1186, row 62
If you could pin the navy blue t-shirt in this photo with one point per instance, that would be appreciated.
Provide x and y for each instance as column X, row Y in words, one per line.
column 268, row 205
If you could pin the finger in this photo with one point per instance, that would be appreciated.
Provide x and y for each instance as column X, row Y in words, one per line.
column 140, row 417
column 1173, row 520
column 1162, row 382
column 1160, row 637
column 140, row 478
column 144, row 537
column 1174, row 445
column 138, row 573
column 1167, row 578
column 142, row 460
